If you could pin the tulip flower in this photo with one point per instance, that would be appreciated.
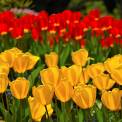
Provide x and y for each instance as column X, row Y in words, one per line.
column 51, row 59
column 103, row 82
column 37, row 109
column 63, row 73
column 3, row 82
column 95, row 70
column 84, row 96
column 75, row 75
column 117, row 75
column 43, row 93
column 24, row 62
column 50, row 76
column 112, row 99
column 113, row 63
column 63, row 91
column 9, row 56
column 4, row 67
column 80, row 57
column 19, row 88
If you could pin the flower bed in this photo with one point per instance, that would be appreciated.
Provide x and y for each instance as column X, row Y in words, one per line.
column 65, row 67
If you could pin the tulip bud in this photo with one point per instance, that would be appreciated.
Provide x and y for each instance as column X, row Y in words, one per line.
column 103, row 82
column 3, row 82
column 63, row 91
column 80, row 57
column 19, row 88
column 84, row 96
column 117, row 76
column 112, row 99
column 51, row 59
column 37, row 109
column 50, row 76
column 43, row 93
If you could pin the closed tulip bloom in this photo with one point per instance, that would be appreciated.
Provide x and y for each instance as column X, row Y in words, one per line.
column 80, row 57
column 84, row 96
column 24, row 62
column 117, row 76
column 63, row 73
column 103, row 82
column 37, row 110
column 95, row 70
column 3, row 82
column 19, row 88
column 113, row 63
column 9, row 56
column 63, row 91
column 112, row 99
column 75, row 75
column 4, row 68
column 50, row 76
column 51, row 59
column 43, row 93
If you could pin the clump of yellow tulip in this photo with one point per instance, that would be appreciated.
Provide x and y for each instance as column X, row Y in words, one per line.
column 79, row 83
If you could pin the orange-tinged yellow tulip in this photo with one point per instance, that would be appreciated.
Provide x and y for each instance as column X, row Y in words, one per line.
column 63, row 73
column 37, row 109
column 50, row 76
column 113, row 63
column 32, row 60
column 4, row 68
column 9, row 56
column 24, row 62
column 3, row 82
column 80, row 57
column 112, row 99
column 103, row 82
column 51, row 59
column 84, row 96
column 43, row 93
column 75, row 75
column 95, row 69
column 117, row 75
column 19, row 88
column 63, row 91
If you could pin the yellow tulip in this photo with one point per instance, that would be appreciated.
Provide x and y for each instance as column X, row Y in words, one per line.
column 50, row 76
column 95, row 69
column 112, row 99
column 49, row 109
column 24, row 62
column 4, row 68
column 3, row 82
column 63, row 73
column 37, row 109
column 117, row 75
column 84, row 96
column 51, row 59
column 75, row 75
column 43, row 93
column 80, row 57
column 113, row 63
column 63, row 91
column 19, row 88
column 103, row 82
column 9, row 56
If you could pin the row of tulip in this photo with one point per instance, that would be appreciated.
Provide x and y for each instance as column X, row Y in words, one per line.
column 80, row 92
column 67, row 26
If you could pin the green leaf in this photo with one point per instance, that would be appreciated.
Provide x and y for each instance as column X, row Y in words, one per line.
column 64, row 55
column 34, row 75
column 80, row 116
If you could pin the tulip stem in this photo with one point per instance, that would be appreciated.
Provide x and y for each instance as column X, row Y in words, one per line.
column 7, row 104
column 20, row 111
